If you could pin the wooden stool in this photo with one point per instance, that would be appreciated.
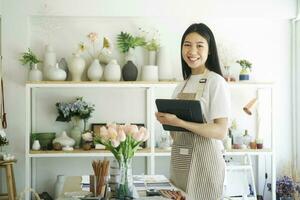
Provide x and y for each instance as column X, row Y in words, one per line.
column 10, row 179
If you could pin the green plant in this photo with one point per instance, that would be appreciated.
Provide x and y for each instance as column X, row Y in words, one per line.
column 245, row 64
column 152, row 45
column 126, row 41
column 29, row 58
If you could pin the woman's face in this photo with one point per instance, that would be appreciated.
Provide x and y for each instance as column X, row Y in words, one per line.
column 195, row 51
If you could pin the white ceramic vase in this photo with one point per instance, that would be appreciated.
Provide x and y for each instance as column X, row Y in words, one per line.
column 49, row 60
column 64, row 140
column 151, row 57
column 95, row 71
column 36, row 145
column 59, row 186
column 149, row 73
column 35, row 74
column 112, row 71
column 165, row 71
column 56, row 74
column 76, row 67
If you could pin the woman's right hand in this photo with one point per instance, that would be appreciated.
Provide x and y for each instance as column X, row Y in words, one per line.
column 167, row 119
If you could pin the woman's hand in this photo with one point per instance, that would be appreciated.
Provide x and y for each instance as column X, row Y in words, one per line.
column 168, row 119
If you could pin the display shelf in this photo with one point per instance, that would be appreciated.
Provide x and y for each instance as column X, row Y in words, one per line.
column 81, row 153
column 151, row 152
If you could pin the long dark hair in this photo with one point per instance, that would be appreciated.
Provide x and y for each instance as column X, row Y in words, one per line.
column 212, row 63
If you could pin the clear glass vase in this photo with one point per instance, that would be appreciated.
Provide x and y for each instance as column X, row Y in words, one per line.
column 125, row 187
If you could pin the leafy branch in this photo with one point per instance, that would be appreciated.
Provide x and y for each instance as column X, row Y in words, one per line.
column 29, row 58
column 126, row 41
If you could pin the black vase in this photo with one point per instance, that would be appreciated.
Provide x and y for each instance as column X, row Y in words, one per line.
column 129, row 71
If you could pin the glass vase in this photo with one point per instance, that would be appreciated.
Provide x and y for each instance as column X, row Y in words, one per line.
column 125, row 187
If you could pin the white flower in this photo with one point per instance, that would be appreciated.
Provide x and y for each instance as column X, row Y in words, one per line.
column 2, row 133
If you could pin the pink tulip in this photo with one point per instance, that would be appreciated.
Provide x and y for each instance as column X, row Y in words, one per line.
column 104, row 133
column 112, row 133
column 121, row 135
column 133, row 129
column 145, row 133
column 115, row 143
column 127, row 128
column 138, row 136
column 112, row 125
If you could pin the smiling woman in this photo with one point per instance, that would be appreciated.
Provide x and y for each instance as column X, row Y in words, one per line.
column 196, row 153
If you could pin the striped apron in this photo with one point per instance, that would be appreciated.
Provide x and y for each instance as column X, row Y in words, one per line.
column 197, row 165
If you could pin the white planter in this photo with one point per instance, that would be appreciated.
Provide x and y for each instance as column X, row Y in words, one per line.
column 95, row 71
column 112, row 71
column 56, row 74
column 59, row 186
column 36, row 145
column 35, row 74
column 49, row 60
column 165, row 71
column 76, row 67
column 149, row 73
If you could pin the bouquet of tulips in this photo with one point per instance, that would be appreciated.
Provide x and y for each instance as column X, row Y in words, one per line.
column 122, row 140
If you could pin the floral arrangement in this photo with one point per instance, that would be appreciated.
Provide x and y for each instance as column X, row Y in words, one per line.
column 103, row 53
column 151, row 39
column 122, row 140
column 126, row 41
column 286, row 187
column 29, row 58
column 245, row 64
column 77, row 108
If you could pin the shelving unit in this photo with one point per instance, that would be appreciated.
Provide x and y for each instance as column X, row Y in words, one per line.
column 151, row 152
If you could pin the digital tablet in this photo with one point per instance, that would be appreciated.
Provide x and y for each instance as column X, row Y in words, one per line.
column 188, row 110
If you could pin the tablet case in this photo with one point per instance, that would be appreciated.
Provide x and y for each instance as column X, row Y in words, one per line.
column 188, row 110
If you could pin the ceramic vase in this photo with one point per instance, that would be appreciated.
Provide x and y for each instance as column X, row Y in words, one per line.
column 49, row 60
column 76, row 131
column 64, row 140
column 112, row 71
column 62, row 64
column 76, row 67
column 151, row 57
column 149, row 73
column 56, row 74
column 35, row 74
column 129, row 71
column 36, row 145
column 95, row 71
column 59, row 186
column 165, row 71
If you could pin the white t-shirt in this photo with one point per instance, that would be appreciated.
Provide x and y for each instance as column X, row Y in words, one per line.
column 215, row 101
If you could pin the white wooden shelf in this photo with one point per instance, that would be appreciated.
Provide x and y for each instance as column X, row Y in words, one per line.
column 81, row 153
column 149, row 153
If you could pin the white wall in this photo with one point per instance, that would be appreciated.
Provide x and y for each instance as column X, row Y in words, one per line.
column 257, row 30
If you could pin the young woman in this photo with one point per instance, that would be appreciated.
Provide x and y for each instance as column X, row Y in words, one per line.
column 197, row 164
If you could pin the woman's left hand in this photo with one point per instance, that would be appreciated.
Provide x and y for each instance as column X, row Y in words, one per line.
column 167, row 118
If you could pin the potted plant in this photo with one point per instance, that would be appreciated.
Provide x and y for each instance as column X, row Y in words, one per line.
column 126, row 43
column 286, row 188
column 30, row 59
column 246, row 69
